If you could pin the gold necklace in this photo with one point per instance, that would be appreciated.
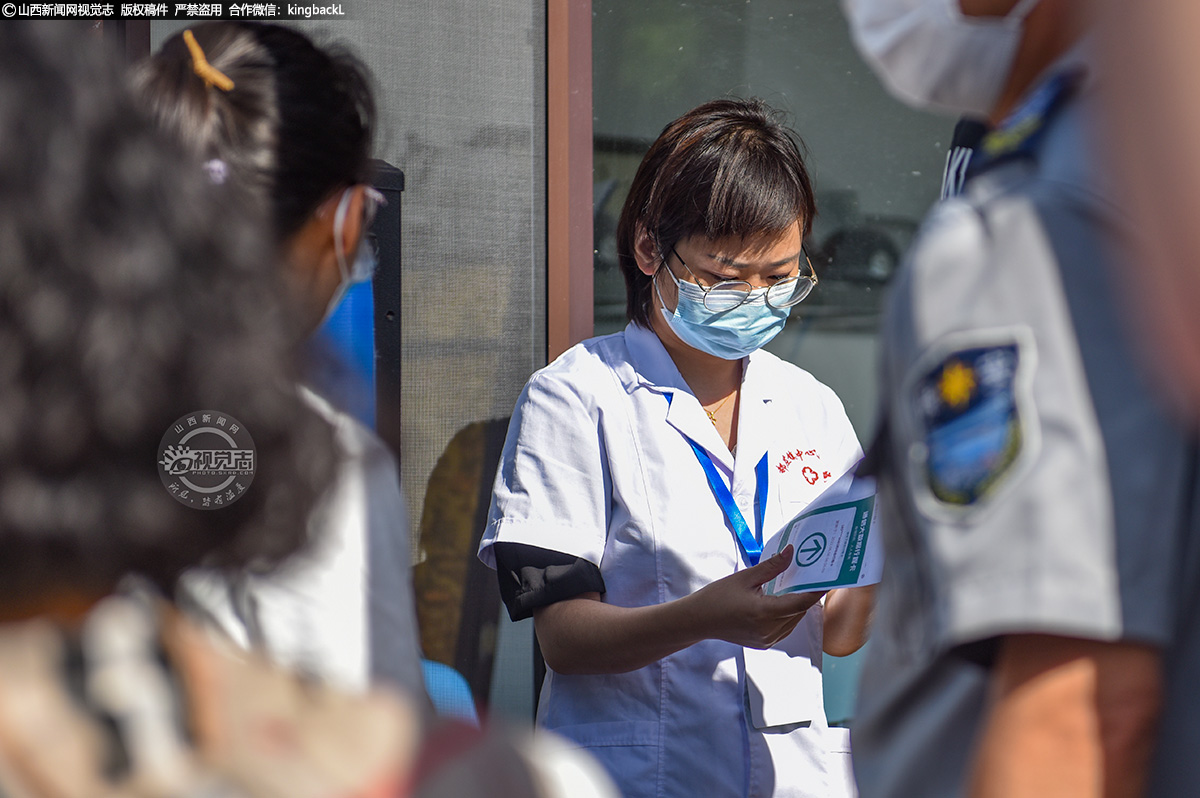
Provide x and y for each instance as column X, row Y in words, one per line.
column 712, row 413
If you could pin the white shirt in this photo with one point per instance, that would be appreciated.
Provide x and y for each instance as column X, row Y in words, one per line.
column 597, row 465
column 343, row 609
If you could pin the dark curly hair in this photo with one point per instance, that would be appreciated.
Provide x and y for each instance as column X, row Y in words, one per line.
column 131, row 293
column 726, row 168
column 296, row 126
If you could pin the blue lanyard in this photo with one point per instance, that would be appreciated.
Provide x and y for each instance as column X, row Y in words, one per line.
column 750, row 544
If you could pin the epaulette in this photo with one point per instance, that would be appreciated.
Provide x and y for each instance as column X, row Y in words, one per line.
column 968, row 134
column 1019, row 134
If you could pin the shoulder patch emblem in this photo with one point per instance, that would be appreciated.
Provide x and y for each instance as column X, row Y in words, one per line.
column 968, row 410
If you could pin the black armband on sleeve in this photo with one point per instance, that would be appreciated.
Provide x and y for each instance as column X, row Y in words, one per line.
column 532, row 577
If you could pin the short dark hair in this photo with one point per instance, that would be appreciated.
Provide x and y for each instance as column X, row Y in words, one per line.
column 131, row 294
column 296, row 126
column 729, row 167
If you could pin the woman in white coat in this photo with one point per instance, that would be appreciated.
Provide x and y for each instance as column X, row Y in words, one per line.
column 643, row 468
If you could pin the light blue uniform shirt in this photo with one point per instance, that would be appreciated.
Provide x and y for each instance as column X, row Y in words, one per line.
column 1031, row 482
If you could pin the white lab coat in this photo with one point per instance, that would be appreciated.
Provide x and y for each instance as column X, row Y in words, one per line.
column 596, row 465
column 343, row 609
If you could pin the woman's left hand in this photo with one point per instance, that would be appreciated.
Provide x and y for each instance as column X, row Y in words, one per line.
column 848, row 613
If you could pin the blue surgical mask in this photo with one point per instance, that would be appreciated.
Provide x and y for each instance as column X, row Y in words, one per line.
column 727, row 334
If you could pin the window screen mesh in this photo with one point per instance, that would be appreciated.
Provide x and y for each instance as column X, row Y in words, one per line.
column 461, row 94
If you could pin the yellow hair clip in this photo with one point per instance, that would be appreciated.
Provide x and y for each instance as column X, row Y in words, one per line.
column 207, row 72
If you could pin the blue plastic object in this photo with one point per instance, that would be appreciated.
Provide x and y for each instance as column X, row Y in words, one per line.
column 343, row 366
column 450, row 692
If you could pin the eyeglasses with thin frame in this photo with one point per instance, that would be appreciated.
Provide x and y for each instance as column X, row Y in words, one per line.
column 729, row 294
column 372, row 199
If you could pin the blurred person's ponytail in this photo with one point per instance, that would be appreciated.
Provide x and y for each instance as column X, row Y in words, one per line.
column 295, row 126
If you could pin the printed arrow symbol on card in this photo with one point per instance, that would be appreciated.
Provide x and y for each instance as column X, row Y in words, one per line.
column 810, row 549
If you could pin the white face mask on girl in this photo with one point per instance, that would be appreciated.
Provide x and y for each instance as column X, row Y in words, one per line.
column 930, row 55
column 365, row 260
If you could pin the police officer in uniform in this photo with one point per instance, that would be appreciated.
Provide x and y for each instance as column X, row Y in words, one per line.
column 1036, row 622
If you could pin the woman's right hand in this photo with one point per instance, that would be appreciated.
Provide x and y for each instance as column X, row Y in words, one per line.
column 736, row 610
column 585, row 635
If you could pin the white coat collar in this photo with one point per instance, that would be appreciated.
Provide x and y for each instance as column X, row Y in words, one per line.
column 651, row 368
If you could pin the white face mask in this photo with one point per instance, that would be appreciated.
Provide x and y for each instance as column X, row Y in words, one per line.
column 930, row 55
column 365, row 260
